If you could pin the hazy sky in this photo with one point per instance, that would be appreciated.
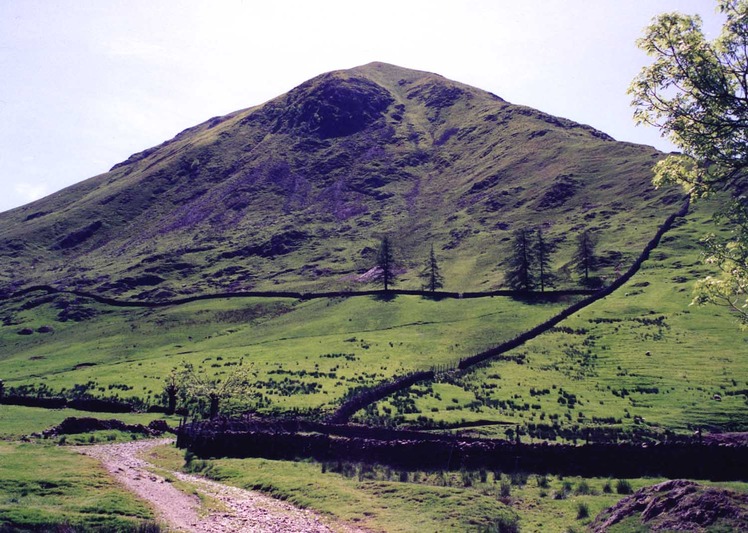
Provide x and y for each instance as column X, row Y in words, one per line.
column 86, row 83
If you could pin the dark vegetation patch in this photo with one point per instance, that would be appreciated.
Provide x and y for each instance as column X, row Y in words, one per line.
column 75, row 310
column 166, row 268
column 444, row 137
column 562, row 189
column 133, row 282
column 37, row 214
column 279, row 244
column 436, row 95
column 79, row 236
column 330, row 107
column 254, row 312
column 73, row 425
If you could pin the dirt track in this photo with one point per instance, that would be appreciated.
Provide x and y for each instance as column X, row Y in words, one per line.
column 241, row 510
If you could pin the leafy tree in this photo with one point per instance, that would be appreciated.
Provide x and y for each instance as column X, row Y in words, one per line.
column 431, row 274
column 386, row 263
column 519, row 275
column 542, row 250
column 696, row 92
column 584, row 259
column 198, row 386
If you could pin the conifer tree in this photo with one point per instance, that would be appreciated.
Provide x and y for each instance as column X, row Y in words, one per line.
column 386, row 263
column 584, row 259
column 431, row 274
column 519, row 275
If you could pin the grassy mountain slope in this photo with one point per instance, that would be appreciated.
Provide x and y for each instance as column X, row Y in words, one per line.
column 640, row 360
column 298, row 191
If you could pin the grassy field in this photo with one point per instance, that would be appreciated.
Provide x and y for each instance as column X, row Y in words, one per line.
column 640, row 359
column 301, row 354
column 385, row 499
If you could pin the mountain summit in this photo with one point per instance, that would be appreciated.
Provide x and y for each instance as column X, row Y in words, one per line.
column 297, row 192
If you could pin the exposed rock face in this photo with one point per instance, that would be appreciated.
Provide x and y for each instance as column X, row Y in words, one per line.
column 679, row 505
column 330, row 107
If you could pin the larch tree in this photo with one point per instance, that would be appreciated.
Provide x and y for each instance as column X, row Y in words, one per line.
column 519, row 274
column 584, row 260
column 386, row 263
column 696, row 92
column 431, row 274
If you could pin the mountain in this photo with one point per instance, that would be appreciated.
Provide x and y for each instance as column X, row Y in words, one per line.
column 296, row 193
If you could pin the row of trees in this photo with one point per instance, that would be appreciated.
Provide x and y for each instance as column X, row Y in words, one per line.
column 528, row 266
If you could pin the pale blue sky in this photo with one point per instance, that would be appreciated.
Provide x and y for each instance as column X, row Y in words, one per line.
column 86, row 83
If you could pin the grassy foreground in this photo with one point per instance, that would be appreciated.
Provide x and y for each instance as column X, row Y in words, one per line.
column 43, row 487
column 384, row 499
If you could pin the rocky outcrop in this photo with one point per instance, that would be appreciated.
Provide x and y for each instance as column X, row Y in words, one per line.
column 678, row 505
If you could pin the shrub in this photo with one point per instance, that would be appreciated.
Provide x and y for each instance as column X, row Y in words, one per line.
column 503, row 524
column 519, row 478
column 624, row 487
column 506, row 488
column 582, row 510
column 564, row 492
column 583, row 488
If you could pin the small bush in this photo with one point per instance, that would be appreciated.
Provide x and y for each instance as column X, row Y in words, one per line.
column 624, row 487
column 503, row 524
column 582, row 511
column 542, row 481
column 583, row 488
column 506, row 488
column 519, row 478
column 607, row 489
column 564, row 492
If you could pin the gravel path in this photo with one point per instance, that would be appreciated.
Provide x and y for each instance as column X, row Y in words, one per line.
column 242, row 510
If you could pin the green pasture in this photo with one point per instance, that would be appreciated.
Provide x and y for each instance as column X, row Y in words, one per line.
column 642, row 359
column 301, row 354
